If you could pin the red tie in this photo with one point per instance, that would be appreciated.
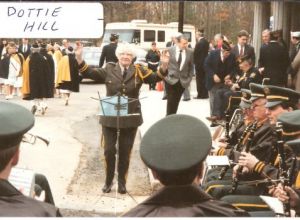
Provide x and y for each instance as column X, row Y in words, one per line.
column 242, row 51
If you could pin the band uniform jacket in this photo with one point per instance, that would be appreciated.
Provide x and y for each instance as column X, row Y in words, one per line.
column 251, row 76
column 185, row 74
column 248, row 50
column 183, row 201
column 275, row 59
column 214, row 65
column 130, row 86
column 14, row 204
column 108, row 54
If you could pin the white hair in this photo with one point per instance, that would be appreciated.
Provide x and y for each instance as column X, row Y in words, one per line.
column 125, row 48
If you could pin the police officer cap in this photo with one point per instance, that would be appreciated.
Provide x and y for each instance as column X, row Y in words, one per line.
column 290, row 123
column 295, row 34
column 257, row 91
column 15, row 121
column 226, row 46
column 277, row 95
column 245, row 100
column 176, row 143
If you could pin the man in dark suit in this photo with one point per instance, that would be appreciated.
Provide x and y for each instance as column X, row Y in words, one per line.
column 243, row 48
column 109, row 51
column 180, row 72
column 274, row 61
column 181, row 172
column 219, row 66
column 200, row 53
column 24, row 48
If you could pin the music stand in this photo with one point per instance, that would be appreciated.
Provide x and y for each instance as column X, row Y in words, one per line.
column 118, row 117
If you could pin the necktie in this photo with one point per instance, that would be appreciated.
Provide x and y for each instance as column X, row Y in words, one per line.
column 242, row 51
column 124, row 73
column 24, row 49
column 179, row 58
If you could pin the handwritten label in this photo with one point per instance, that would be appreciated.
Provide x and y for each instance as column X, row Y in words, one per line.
column 51, row 20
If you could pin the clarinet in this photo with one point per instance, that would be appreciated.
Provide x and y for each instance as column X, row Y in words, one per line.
column 249, row 144
column 283, row 172
column 232, row 150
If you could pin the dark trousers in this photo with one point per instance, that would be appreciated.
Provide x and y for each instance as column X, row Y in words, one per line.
column 126, row 141
column 221, row 101
column 200, row 82
column 174, row 94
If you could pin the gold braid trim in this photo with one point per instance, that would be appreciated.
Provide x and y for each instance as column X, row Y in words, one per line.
column 290, row 133
column 237, row 205
column 277, row 97
column 212, row 187
column 84, row 68
column 276, row 162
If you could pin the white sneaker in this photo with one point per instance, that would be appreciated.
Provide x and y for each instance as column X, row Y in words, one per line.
column 8, row 97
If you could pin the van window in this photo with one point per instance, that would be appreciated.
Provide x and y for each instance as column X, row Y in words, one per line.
column 188, row 35
column 161, row 36
column 149, row 36
column 124, row 35
column 136, row 36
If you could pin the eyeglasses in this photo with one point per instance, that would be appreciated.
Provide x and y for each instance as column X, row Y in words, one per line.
column 31, row 139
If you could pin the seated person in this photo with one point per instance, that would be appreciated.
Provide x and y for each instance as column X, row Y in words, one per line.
column 15, row 122
column 178, row 164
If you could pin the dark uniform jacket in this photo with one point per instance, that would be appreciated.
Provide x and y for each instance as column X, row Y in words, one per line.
column 14, row 204
column 115, row 84
column 152, row 58
column 108, row 54
column 275, row 59
column 251, row 76
column 183, row 201
column 214, row 65
column 200, row 53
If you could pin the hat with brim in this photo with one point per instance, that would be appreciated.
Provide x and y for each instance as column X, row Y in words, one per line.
column 15, row 122
column 277, row 95
column 257, row 91
column 290, row 123
column 175, row 144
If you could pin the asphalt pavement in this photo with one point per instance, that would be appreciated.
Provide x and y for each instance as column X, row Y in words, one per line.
column 73, row 162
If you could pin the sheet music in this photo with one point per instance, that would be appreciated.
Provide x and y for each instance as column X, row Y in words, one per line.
column 274, row 203
column 23, row 180
column 217, row 161
column 108, row 106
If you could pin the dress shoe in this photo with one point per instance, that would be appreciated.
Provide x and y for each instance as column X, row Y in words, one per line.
column 212, row 118
column 186, row 100
column 214, row 124
column 107, row 188
column 122, row 189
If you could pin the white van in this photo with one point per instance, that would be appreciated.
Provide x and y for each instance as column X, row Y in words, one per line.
column 142, row 33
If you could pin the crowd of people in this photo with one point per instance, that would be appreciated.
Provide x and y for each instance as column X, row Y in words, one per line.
column 262, row 148
column 38, row 71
